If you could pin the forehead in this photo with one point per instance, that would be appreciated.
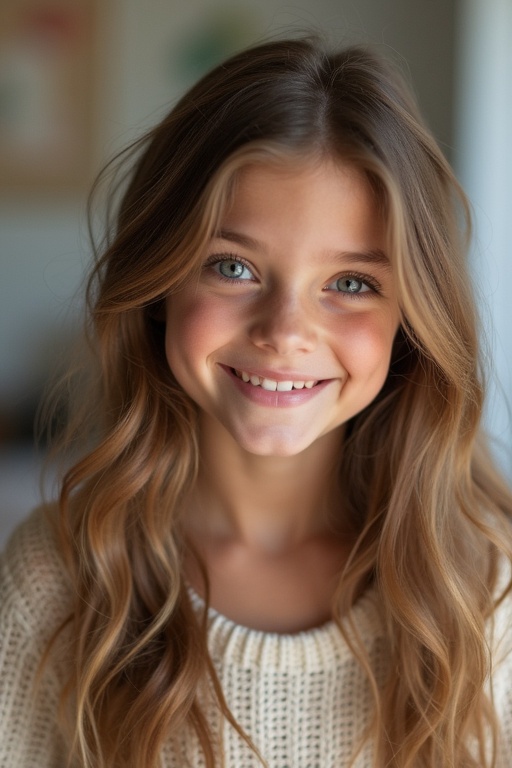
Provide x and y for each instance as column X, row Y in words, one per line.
column 328, row 173
column 326, row 204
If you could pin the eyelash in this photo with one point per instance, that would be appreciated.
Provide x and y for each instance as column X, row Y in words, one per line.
column 368, row 280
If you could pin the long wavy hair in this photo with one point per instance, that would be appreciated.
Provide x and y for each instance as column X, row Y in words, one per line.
column 432, row 515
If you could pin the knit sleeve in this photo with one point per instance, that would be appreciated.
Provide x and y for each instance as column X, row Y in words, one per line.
column 34, row 600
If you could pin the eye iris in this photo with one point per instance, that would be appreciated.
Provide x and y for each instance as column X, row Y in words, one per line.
column 231, row 268
column 349, row 285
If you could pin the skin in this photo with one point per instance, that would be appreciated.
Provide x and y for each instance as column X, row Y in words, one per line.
column 313, row 300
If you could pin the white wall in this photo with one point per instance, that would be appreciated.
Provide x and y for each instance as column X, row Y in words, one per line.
column 484, row 164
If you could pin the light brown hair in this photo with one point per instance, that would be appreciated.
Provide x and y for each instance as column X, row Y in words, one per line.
column 431, row 513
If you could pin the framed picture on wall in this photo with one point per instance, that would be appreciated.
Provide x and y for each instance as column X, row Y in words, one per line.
column 47, row 65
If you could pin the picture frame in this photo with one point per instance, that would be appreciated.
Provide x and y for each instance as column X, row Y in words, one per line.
column 47, row 90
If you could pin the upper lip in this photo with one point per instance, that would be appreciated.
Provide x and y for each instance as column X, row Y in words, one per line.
column 266, row 373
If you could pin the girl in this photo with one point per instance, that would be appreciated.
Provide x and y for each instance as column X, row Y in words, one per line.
column 286, row 544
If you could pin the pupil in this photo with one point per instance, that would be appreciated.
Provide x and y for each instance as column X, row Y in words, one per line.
column 349, row 285
column 231, row 268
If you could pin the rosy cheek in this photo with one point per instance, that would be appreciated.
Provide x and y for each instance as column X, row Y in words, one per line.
column 190, row 321
column 366, row 343
column 196, row 326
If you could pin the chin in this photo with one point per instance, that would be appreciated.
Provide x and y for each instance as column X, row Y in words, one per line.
column 277, row 445
column 277, row 451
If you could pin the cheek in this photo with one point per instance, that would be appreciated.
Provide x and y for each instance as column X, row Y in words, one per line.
column 185, row 324
column 195, row 327
column 366, row 344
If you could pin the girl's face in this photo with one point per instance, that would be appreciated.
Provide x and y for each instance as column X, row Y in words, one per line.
column 288, row 331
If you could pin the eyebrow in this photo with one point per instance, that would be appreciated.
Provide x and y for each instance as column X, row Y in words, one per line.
column 374, row 256
column 236, row 237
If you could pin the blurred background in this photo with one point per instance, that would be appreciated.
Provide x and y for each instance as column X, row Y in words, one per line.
column 79, row 79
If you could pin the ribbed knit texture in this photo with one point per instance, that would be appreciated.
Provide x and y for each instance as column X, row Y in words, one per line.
column 302, row 698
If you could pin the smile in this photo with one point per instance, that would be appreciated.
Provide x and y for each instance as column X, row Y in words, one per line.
column 271, row 385
column 268, row 392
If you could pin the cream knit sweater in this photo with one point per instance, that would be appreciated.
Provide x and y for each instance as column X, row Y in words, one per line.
column 302, row 698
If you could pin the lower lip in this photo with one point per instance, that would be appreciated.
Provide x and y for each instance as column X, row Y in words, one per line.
column 276, row 399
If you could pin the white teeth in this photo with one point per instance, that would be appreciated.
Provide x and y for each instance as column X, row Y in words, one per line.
column 271, row 385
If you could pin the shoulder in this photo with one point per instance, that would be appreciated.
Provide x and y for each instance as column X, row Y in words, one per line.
column 500, row 639
column 501, row 620
column 34, row 585
column 35, row 599
column 500, row 631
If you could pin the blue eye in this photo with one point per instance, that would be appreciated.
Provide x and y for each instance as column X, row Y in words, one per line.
column 232, row 269
column 351, row 285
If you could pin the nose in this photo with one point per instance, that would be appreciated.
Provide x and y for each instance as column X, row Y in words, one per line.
column 283, row 323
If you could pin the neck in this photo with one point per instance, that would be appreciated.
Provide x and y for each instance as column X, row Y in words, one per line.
column 269, row 504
